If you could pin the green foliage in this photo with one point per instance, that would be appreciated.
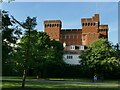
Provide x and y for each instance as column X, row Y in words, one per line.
column 29, row 23
column 44, row 53
column 99, row 58
column 10, row 34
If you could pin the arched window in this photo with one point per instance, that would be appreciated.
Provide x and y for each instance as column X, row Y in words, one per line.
column 77, row 36
column 91, row 24
column 83, row 37
column 45, row 25
column 82, row 24
column 50, row 25
column 88, row 24
column 73, row 35
column 68, row 36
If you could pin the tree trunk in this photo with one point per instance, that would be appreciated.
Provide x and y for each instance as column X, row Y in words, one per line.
column 25, row 62
column 24, row 77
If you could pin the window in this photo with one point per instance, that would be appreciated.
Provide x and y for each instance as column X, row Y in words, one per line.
column 72, row 47
column 47, row 25
column 91, row 24
column 77, row 36
column 82, row 24
column 73, row 35
column 69, row 57
column 81, row 47
column 50, row 25
column 69, row 36
column 83, row 37
column 88, row 24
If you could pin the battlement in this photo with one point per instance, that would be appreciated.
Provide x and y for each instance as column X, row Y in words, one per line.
column 52, row 23
column 90, row 32
column 71, row 29
column 95, row 18
column 90, row 21
column 103, row 27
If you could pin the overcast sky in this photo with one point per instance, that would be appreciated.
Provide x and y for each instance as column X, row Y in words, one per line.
column 70, row 13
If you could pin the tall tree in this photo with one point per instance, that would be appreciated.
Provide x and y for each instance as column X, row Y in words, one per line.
column 10, row 35
column 44, row 52
column 53, row 60
column 29, row 25
column 100, row 58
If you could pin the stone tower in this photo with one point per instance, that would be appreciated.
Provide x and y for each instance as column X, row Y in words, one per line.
column 53, row 28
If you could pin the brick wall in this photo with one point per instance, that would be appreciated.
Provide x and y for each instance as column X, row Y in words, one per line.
column 90, row 29
column 90, row 32
column 52, row 28
column 71, row 36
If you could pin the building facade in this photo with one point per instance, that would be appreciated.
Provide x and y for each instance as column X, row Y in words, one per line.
column 74, row 40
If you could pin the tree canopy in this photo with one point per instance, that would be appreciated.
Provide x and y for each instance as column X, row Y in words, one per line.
column 10, row 35
column 99, row 58
column 43, row 52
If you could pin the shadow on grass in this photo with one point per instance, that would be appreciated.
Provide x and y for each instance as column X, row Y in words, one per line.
column 59, row 88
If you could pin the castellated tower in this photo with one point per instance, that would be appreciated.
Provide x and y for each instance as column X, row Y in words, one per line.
column 90, row 32
column 53, row 28
column 103, row 31
column 90, row 29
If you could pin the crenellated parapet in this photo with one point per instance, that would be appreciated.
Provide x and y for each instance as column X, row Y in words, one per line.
column 90, row 32
column 52, row 23
column 90, row 21
column 53, row 28
column 103, row 28
column 103, row 31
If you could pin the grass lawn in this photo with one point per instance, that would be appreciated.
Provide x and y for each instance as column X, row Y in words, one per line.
column 16, row 85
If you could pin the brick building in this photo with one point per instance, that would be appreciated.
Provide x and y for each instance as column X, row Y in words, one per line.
column 74, row 40
column 90, row 32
